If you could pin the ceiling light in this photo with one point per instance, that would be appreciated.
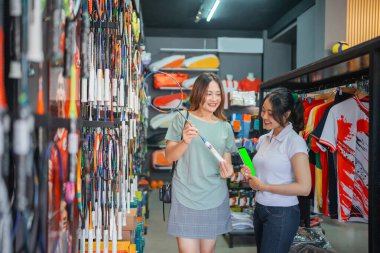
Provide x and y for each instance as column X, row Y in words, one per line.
column 216, row 3
column 198, row 17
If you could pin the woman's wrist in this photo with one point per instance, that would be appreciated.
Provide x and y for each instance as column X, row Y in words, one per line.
column 264, row 187
column 184, row 142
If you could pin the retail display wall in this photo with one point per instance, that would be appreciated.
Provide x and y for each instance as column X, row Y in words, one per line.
column 72, row 127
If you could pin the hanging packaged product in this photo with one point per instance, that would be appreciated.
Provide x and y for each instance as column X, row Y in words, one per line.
column 159, row 161
column 170, row 101
column 162, row 81
column 207, row 61
column 234, row 197
column 173, row 61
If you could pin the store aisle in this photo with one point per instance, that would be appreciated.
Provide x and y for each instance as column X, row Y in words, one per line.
column 157, row 240
column 344, row 237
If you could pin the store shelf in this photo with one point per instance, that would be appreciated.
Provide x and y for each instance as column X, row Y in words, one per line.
column 242, row 231
column 254, row 110
column 331, row 71
column 190, row 50
column 240, row 188
column 190, row 70
column 48, row 121
column 162, row 168
column 230, row 235
column 101, row 124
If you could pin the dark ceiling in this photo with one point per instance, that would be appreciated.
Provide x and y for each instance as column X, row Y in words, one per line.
column 243, row 15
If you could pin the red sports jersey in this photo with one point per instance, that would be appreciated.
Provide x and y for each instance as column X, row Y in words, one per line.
column 346, row 131
column 308, row 107
column 248, row 85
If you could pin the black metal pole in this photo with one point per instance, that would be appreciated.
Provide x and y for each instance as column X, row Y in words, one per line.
column 261, row 99
column 374, row 149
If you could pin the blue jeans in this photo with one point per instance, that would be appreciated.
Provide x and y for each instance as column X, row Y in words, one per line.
column 275, row 227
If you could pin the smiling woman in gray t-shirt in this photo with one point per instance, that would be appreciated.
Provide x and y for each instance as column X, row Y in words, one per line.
column 200, row 203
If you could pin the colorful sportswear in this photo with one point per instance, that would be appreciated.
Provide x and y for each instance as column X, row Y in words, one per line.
column 346, row 132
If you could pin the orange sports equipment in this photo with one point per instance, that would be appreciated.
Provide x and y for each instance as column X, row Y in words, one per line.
column 173, row 61
column 153, row 184
column 202, row 61
column 162, row 81
column 143, row 182
column 170, row 101
column 40, row 110
column 160, row 183
column 159, row 161
column 236, row 125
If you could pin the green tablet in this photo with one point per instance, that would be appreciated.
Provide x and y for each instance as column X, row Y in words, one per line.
column 247, row 159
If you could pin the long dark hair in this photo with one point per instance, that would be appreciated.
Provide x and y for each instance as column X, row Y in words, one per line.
column 282, row 101
column 198, row 93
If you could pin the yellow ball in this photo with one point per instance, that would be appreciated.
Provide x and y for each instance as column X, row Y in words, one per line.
column 339, row 47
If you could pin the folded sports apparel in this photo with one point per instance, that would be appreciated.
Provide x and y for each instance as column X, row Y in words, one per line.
column 243, row 98
column 236, row 126
column 189, row 83
column 241, row 221
column 162, row 81
column 162, row 120
column 159, row 161
column 173, row 61
column 170, row 101
column 203, row 61
column 236, row 98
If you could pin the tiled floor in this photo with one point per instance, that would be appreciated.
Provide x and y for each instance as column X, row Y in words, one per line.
column 344, row 237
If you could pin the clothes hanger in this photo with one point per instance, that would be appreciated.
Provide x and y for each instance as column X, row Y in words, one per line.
column 361, row 91
column 361, row 94
column 324, row 96
column 348, row 90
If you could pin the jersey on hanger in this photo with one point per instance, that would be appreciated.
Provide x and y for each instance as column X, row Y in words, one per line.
column 346, row 132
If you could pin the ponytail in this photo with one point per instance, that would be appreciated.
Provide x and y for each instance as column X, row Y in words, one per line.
column 297, row 113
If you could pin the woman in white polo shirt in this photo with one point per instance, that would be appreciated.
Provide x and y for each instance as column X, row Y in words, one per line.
column 282, row 172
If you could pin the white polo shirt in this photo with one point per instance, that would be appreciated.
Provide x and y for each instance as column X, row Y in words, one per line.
column 273, row 165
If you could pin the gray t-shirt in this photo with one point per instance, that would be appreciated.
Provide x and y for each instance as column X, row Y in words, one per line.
column 196, row 181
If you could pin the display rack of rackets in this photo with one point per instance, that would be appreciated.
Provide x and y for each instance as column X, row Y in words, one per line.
column 72, row 127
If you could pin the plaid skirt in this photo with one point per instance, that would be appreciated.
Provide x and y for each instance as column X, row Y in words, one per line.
column 185, row 222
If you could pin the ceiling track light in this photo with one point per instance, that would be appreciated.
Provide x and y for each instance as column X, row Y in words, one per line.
column 199, row 15
column 213, row 9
